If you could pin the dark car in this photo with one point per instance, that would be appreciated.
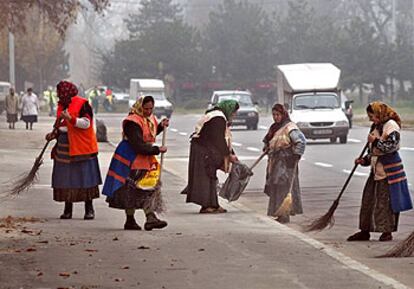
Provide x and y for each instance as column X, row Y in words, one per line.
column 247, row 115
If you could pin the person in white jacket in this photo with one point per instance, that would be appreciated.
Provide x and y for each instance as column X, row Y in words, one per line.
column 30, row 108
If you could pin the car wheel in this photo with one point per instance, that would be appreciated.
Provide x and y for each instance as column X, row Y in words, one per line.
column 333, row 139
column 343, row 139
column 254, row 127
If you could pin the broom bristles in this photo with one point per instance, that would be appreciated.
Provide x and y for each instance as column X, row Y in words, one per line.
column 156, row 203
column 324, row 221
column 26, row 180
column 286, row 206
column 402, row 249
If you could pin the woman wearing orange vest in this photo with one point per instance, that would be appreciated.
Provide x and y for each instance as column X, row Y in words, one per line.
column 76, row 173
column 134, row 157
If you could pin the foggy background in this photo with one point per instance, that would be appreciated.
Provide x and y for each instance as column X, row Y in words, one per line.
column 197, row 46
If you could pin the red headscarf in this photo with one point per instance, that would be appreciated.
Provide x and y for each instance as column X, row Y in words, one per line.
column 65, row 91
column 277, row 125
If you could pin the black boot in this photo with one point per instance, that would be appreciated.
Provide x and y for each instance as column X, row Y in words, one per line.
column 154, row 223
column 89, row 212
column 67, row 212
column 131, row 224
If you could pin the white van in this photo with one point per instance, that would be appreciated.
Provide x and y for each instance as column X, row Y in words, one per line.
column 155, row 88
column 311, row 91
column 4, row 91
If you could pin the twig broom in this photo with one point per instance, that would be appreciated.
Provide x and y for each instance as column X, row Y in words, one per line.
column 402, row 249
column 286, row 206
column 156, row 202
column 328, row 220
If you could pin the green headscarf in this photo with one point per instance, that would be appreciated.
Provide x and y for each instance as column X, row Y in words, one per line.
column 228, row 106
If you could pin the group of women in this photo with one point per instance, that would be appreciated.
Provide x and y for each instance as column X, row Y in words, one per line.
column 76, row 173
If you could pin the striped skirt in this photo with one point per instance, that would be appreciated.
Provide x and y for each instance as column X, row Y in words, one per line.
column 74, row 179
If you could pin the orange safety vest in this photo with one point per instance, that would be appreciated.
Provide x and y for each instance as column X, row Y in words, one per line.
column 144, row 162
column 81, row 141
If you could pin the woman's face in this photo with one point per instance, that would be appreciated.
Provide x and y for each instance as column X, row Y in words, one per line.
column 233, row 114
column 277, row 116
column 373, row 118
column 147, row 108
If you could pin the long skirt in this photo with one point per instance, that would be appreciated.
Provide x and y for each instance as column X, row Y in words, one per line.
column 278, row 182
column 74, row 179
column 29, row 118
column 376, row 214
column 202, row 179
column 11, row 117
column 129, row 198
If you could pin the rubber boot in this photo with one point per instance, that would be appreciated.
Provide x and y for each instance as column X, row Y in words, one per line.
column 67, row 212
column 89, row 211
column 153, row 222
column 131, row 224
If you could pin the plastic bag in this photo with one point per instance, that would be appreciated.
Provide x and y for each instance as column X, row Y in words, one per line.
column 236, row 182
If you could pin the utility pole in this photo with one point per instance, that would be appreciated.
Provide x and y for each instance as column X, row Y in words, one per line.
column 12, row 78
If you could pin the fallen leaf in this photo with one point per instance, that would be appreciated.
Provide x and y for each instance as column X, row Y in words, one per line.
column 39, row 274
column 43, row 242
column 26, row 231
column 125, row 267
column 91, row 250
column 118, row 279
column 115, row 239
column 64, row 274
column 201, row 250
column 143, row 248
column 31, row 249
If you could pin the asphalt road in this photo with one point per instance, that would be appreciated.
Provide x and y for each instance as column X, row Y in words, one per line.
column 240, row 249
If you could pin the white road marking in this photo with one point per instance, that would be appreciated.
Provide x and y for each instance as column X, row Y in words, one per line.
column 253, row 149
column 173, row 129
column 263, row 127
column 323, row 248
column 354, row 140
column 407, row 149
column 236, row 144
column 185, row 159
column 356, row 173
column 325, row 165
column 182, row 133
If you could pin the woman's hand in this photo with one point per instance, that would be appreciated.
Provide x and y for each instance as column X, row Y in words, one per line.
column 359, row 161
column 165, row 122
column 163, row 149
column 371, row 138
column 233, row 158
column 50, row 136
column 66, row 115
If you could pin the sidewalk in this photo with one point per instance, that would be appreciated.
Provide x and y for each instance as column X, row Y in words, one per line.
column 240, row 249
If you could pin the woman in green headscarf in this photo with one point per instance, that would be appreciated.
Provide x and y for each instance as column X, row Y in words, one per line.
column 210, row 150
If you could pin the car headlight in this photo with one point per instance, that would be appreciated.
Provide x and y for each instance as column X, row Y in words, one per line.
column 342, row 123
column 302, row 124
column 251, row 114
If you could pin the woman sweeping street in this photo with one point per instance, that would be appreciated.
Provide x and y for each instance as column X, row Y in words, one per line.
column 285, row 144
column 210, row 150
column 134, row 157
column 76, row 174
column 386, row 191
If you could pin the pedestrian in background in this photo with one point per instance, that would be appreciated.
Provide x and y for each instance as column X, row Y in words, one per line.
column 30, row 108
column 93, row 96
column 210, row 150
column 76, row 174
column 12, row 108
column 134, row 157
column 386, row 191
column 285, row 144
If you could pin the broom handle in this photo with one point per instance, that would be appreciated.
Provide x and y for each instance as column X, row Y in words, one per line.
column 164, row 137
column 258, row 160
column 352, row 172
